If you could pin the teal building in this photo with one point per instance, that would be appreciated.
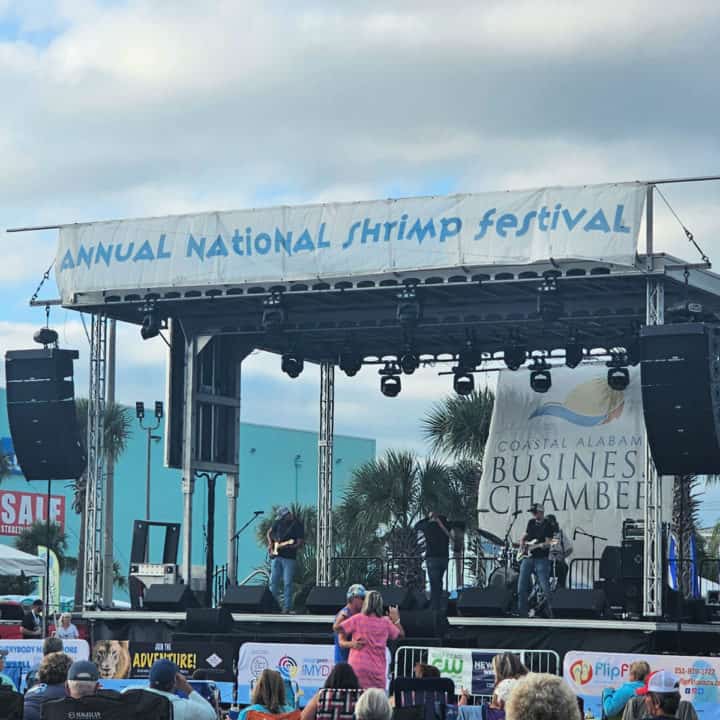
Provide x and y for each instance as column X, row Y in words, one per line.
column 277, row 466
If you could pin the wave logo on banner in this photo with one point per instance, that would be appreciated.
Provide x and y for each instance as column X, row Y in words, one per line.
column 288, row 667
column 590, row 404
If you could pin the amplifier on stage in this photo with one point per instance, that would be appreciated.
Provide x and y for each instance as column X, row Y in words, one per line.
column 154, row 573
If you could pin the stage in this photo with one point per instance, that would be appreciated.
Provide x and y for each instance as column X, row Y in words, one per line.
column 559, row 635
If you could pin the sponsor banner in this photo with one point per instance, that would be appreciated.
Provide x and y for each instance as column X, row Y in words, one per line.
column 53, row 596
column 26, row 654
column 311, row 242
column 588, row 673
column 306, row 666
column 120, row 659
column 469, row 669
column 578, row 449
column 18, row 510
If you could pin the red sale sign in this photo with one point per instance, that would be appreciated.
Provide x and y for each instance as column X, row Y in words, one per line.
column 20, row 509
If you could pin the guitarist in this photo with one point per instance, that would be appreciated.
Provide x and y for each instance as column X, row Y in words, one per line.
column 285, row 538
column 535, row 544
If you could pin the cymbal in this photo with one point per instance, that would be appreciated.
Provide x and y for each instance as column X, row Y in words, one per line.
column 494, row 539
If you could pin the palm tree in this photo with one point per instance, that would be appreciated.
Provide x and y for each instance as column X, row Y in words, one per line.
column 27, row 541
column 385, row 498
column 685, row 525
column 117, row 423
column 459, row 425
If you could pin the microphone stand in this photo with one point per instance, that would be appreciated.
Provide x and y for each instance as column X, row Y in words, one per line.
column 508, row 546
column 235, row 537
column 594, row 539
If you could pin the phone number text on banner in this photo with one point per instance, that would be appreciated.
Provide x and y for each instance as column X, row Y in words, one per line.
column 589, row 673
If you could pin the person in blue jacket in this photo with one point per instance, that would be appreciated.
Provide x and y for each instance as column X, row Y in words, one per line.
column 615, row 699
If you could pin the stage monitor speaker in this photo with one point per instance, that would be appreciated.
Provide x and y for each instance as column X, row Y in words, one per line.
column 249, row 599
column 632, row 559
column 611, row 563
column 41, row 411
column 680, row 373
column 209, row 621
column 169, row 598
column 484, row 602
column 392, row 595
column 322, row 600
column 586, row 604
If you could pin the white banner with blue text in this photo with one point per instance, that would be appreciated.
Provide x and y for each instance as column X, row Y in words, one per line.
column 344, row 240
column 578, row 449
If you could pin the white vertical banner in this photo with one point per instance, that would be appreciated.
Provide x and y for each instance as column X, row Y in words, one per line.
column 578, row 449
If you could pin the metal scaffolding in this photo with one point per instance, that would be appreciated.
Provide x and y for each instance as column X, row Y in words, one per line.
column 95, row 461
column 652, row 560
column 323, row 574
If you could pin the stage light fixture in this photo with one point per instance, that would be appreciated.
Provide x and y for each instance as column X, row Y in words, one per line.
column 350, row 362
column 408, row 307
column 618, row 377
column 390, row 383
column 409, row 362
column 468, row 357
column 573, row 354
column 273, row 315
column 139, row 410
column 540, row 380
column 151, row 324
column 159, row 410
column 292, row 364
column 514, row 356
column 549, row 301
column 463, row 382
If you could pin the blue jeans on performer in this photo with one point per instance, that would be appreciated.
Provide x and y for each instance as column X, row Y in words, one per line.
column 436, row 569
column 282, row 568
column 541, row 568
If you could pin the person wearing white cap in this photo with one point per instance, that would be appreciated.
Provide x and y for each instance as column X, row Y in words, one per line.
column 662, row 694
column 535, row 544
column 285, row 538
column 343, row 644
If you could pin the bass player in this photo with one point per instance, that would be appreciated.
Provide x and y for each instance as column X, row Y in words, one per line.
column 535, row 547
column 285, row 538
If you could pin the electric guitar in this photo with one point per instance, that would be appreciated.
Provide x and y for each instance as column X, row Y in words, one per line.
column 531, row 547
column 277, row 546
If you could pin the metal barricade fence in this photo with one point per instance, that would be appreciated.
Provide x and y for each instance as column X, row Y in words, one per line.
column 540, row 661
column 583, row 573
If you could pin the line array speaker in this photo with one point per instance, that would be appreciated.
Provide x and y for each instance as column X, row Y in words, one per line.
column 680, row 374
column 41, row 411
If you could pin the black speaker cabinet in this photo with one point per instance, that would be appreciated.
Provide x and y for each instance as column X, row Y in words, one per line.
column 209, row 621
column 680, row 373
column 484, row 602
column 41, row 412
column 169, row 598
column 326, row 600
column 632, row 559
column 391, row 595
column 586, row 604
column 249, row 599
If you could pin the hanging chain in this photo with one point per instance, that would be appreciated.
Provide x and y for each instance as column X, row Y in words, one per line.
column 45, row 277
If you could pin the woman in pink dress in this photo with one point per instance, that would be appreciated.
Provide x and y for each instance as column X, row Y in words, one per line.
column 370, row 631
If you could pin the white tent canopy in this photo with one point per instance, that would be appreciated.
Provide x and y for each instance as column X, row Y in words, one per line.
column 15, row 562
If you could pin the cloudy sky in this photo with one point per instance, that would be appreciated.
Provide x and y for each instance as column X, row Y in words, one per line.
column 114, row 109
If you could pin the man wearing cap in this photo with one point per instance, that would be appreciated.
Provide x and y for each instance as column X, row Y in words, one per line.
column 165, row 680
column 5, row 679
column 82, row 680
column 535, row 542
column 343, row 644
column 662, row 696
column 285, row 538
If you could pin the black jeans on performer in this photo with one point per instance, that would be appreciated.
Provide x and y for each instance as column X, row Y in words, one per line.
column 436, row 569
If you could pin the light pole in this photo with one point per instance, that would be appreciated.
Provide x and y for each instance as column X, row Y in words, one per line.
column 149, row 429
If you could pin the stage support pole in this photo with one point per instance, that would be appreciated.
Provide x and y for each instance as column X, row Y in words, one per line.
column 652, row 559
column 108, row 576
column 188, row 471
column 323, row 575
column 92, row 585
column 232, row 481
